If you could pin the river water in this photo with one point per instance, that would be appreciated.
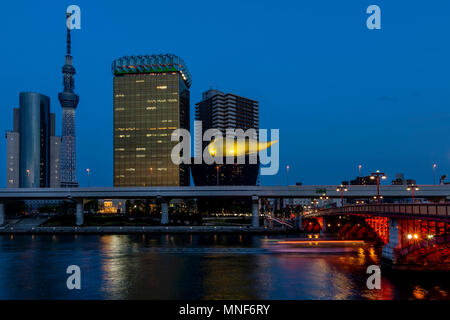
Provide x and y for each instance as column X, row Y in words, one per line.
column 197, row 267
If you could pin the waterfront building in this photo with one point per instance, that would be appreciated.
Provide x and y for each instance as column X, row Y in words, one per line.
column 151, row 100
column 111, row 206
column 400, row 180
column 366, row 180
column 69, row 101
column 221, row 111
column 32, row 147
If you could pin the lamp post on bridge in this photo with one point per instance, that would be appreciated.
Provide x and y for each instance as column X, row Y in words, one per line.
column 377, row 175
column 412, row 187
column 324, row 197
column 315, row 202
column 342, row 189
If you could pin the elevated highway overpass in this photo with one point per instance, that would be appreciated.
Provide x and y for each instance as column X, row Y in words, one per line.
column 438, row 192
column 312, row 191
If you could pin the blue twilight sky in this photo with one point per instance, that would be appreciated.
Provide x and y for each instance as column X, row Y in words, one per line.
column 341, row 94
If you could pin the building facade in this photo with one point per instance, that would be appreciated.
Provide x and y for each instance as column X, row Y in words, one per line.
column 69, row 101
column 218, row 110
column 151, row 100
column 32, row 147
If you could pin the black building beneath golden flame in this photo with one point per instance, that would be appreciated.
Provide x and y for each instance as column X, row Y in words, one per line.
column 221, row 111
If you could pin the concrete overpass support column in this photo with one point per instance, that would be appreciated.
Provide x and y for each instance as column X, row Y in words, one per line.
column 164, row 211
column 390, row 249
column 255, row 211
column 2, row 213
column 300, row 222
column 80, row 213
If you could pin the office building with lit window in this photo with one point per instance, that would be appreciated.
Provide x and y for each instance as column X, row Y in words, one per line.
column 218, row 110
column 151, row 100
column 33, row 150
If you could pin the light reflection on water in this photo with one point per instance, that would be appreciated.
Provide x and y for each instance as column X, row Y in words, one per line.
column 195, row 267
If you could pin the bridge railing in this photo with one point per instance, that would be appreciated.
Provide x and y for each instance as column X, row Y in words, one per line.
column 410, row 209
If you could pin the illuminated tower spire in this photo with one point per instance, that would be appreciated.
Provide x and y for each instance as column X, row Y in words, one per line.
column 69, row 102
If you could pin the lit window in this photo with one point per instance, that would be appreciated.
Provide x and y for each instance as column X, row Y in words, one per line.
column 161, row 87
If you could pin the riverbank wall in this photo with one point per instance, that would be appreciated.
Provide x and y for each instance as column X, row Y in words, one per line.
column 142, row 230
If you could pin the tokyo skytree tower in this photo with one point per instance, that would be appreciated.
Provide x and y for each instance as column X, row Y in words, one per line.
column 69, row 101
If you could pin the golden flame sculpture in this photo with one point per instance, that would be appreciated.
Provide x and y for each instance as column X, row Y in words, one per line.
column 230, row 147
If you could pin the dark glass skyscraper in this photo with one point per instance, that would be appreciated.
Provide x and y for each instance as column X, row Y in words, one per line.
column 69, row 102
column 32, row 147
column 221, row 111
column 151, row 100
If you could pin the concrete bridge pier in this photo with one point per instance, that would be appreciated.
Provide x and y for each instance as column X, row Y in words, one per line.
column 164, row 211
column 80, row 213
column 255, row 211
column 389, row 252
column 2, row 213
column 300, row 222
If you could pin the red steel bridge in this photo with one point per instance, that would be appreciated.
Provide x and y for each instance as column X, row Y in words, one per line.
column 412, row 234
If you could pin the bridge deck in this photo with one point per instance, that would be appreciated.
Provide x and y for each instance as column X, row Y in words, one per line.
column 390, row 191
column 433, row 211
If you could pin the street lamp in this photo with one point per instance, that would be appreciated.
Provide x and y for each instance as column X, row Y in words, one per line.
column 28, row 171
column 287, row 175
column 379, row 197
column 151, row 173
column 359, row 170
column 217, row 174
column 324, row 197
column 315, row 202
column 412, row 187
column 89, row 174
column 377, row 175
column 342, row 189
column 434, row 173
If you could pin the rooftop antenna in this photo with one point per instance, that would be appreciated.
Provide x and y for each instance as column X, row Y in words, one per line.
column 68, row 48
